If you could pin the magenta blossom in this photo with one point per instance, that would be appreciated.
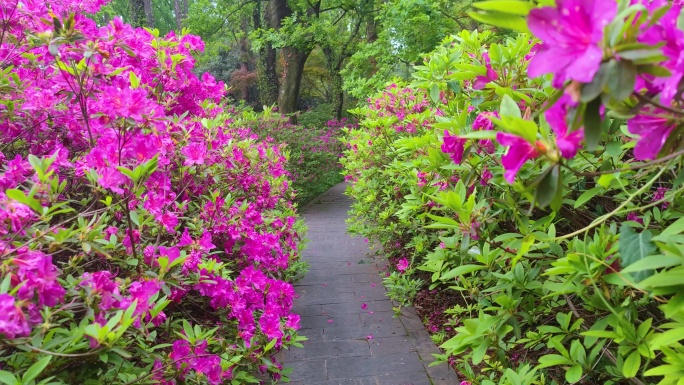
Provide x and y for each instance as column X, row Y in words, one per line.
column 481, row 81
column 13, row 322
column 666, row 33
column 653, row 127
column 568, row 143
column 402, row 265
column 454, row 146
column 571, row 33
column 520, row 151
column 194, row 153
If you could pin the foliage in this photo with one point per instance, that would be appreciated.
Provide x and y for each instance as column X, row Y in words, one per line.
column 406, row 30
column 145, row 236
column 313, row 151
column 539, row 182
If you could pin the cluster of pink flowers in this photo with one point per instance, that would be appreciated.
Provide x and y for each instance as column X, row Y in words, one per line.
column 572, row 49
column 405, row 105
column 99, row 105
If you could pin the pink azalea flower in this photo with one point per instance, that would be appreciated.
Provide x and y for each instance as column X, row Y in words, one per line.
column 293, row 321
column 568, row 143
column 402, row 265
column 634, row 217
column 454, row 146
column 364, row 306
column 571, row 33
column 665, row 31
column 481, row 81
column 484, row 180
column 520, row 151
column 653, row 127
column 194, row 153
column 112, row 179
column 13, row 321
column 370, row 337
column 270, row 325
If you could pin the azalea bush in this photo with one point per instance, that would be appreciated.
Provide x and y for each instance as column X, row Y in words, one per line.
column 536, row 182
column 145, row 236
column 313, row 151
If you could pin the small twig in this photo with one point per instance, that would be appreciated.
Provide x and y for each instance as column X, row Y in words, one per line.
column 645, row 99
column 632, row 168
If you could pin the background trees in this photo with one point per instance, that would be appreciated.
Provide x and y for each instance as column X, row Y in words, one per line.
column 302, row 54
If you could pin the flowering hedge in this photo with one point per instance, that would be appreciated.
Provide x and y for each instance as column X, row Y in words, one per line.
column 313, row 152
column 145, row 237
column 536, row 180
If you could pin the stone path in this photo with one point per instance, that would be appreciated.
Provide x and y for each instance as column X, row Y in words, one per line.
column 349, row 342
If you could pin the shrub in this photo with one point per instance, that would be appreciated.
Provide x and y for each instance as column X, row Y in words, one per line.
column 313, row 152
column 145, row 238
column 548, row 206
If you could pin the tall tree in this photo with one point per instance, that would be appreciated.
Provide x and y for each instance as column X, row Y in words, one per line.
column 266, row 65
column 294, row 51
column 141, row 13
column 178, row 12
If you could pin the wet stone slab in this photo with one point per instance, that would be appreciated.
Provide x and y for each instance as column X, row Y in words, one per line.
column 353, row 335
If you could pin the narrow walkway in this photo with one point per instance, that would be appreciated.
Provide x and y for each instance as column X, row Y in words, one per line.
column 353, row 336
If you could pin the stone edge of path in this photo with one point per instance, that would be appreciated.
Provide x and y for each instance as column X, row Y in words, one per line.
column 440, row 374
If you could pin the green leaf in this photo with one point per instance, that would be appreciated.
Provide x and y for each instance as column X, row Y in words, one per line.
column 460, row 271
column 573, row 374
column 483, row 134
column 676, row 228
column 634, row 247
column 621, row 78
column 455, row 87
column 593, row 89
column 673, row 277
column 666, row 338
column 270, row 345
column 509, row 108
column 434, row 93
column 36, row 369
column 587, row 195
column 553, row 360
column 135, row 80
column 653, row 262
column 511, row 7
column 550, row 190
column 632, row 364
column 8, row 378
column 644, row 56
column 592, row 124
column 655, row 70
column 502, row 20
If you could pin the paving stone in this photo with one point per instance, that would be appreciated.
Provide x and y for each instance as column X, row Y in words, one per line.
column 323, row 349
column 386, row 364
column 311, row 371
column 344, row 285
column 331, row 321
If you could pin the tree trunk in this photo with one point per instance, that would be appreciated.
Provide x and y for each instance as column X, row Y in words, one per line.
column 337, row 93
column 266, row 65
column 293, row 58
column 178, row 10
column 149, row 14
column 372, row 36
column 141, row 13
column 186, row 9
column 294, row 61
column 137, row 12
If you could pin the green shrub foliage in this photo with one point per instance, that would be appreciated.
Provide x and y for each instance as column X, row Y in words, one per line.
column 547, row 207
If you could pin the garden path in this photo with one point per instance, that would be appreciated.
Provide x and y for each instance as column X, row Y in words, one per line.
column 349, row 342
